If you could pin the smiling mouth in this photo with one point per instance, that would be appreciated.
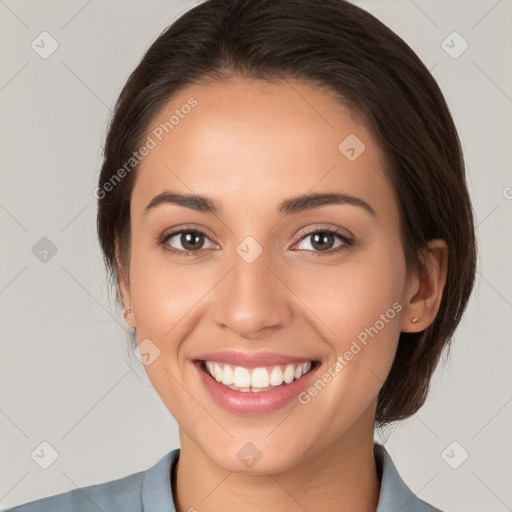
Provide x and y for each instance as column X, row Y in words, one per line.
column 256, row 380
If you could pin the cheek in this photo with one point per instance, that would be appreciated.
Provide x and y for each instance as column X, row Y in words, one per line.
column 357, row 305
column 362, row 312
column 164, row 296
column 163, row 291
column 352, row 295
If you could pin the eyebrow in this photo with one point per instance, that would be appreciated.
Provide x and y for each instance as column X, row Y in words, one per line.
column 287, row 207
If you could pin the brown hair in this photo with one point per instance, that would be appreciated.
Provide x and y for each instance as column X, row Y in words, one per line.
column 343, row 49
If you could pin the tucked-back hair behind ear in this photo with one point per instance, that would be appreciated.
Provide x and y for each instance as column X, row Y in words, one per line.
column 347, row 51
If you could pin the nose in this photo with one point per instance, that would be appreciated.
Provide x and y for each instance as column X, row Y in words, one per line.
column 252, row 300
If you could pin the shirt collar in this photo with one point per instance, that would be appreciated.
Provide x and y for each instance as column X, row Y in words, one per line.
column 156, row 487
column 395, row 495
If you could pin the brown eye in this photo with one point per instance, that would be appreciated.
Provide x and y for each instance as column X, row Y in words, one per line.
column 191, row 240
column 186, row 242
column 323, row 242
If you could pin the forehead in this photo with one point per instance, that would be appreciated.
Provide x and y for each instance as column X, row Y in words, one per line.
column 244, row 140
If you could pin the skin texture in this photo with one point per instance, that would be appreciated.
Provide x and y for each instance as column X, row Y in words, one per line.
column 249, row 145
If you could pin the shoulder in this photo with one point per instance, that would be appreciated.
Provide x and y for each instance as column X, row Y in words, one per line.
column 123, row 494
column 395, row 495
column 126, row 493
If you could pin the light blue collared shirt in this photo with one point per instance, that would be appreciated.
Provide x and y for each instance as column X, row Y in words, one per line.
column 150, row 491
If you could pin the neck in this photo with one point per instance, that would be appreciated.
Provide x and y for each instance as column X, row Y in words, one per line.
column 341, row 477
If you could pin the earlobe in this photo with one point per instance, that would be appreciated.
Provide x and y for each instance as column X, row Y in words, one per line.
column 128, row 315
column 124, row 290
column 128, row 318
column 422, row 306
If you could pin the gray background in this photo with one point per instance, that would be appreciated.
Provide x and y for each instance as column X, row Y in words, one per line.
column 65, row 374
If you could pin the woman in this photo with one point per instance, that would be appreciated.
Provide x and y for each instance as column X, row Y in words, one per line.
column 284, row 214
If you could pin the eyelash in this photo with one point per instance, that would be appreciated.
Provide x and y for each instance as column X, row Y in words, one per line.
column 347, row 242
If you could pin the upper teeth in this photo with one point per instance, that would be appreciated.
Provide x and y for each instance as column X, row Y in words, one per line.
column 258, row 378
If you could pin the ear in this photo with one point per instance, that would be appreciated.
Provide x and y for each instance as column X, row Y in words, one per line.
column 425, row 293
column 123, row 284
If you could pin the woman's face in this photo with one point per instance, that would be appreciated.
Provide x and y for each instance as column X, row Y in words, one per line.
column 265, row 279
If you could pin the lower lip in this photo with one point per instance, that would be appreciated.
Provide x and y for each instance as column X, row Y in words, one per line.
column 251, row 403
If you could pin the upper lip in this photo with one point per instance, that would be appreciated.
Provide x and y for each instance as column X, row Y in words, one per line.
column 252, row 360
